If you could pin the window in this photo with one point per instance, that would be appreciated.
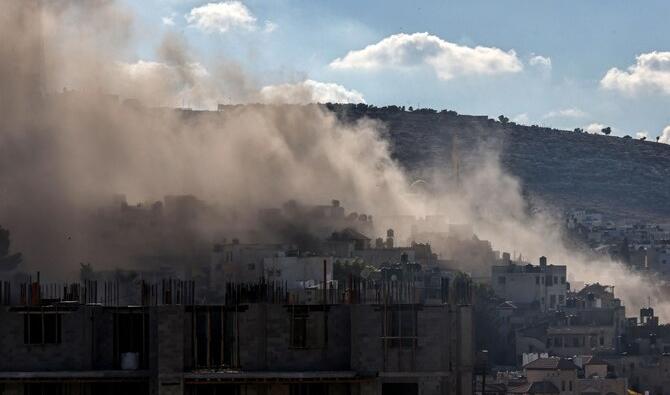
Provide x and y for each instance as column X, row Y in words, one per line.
column 570, row 385
column 208, row 389
column 308, row 389
column 501, row 280
column 555, row 279
column 308, row 328
column 562, row 385
column 552, row 301
column 42, row 388
column 299, row 331
column 400, row 389
column 548, row 342
column 131, row 335
column 399, row 326
column 562, row 279
column 537, row 280
column 251, row 266
column 548, row 282
column 602, row 340
column 42, row 328
column 575, row 342
column 215, row 340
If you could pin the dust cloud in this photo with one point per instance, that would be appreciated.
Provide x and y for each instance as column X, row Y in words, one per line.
column 64, row 153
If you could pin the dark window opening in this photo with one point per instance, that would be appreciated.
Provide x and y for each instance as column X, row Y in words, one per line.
column 141, row 388
column 131, row 340
column 42, row 328
column 43, row 389
column 308, row 328
column 400, row 389
column 308, row 389
column 399, row 327
column 213, row 389
column 215, row 344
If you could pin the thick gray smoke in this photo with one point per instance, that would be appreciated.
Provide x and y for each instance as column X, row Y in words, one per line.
column 63, row 154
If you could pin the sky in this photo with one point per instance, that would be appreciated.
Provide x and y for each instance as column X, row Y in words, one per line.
column 564, row 64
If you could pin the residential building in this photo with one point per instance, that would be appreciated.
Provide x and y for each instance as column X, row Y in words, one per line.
column 544, row 285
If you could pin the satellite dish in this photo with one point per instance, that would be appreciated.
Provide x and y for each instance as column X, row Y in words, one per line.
column 365, row 273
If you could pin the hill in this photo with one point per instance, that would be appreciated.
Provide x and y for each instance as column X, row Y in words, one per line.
column 621, row 177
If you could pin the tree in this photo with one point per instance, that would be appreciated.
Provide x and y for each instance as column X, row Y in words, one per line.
column 579, row 130
column 503, row 119
column 606, row 131
column 658, row 138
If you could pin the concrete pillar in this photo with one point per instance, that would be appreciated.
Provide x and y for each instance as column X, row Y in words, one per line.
column 170, row 350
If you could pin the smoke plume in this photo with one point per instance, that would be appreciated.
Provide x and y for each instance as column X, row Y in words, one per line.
column 64, row 153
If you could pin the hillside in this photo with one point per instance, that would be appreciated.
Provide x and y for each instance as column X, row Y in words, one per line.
column 624, row 178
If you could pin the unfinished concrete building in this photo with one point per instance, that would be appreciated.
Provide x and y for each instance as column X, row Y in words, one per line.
column 370, row 338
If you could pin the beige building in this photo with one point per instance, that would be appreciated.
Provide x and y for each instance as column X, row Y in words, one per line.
column 584, row 375
column 544, row 284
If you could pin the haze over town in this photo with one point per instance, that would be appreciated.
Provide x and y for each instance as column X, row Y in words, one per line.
column 189, row 169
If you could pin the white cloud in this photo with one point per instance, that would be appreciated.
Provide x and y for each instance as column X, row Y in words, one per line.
column 594, row 128
column 270, row 27
column 447, row 59
column 309, row 91
column 224, row 16
column 650, row 73
column 168, row 20
column 565, row 113
column 641, row 134
column 521, row 119
column 665, row 136
column 540, row 61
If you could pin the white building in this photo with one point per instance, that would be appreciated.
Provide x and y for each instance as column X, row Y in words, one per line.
column 299, row 272
column 527, row 284
column 237, row 262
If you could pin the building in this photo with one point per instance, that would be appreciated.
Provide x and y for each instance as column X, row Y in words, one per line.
column 375, row 338
column 544, row 285
column 562, row 376
column 592, row 321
